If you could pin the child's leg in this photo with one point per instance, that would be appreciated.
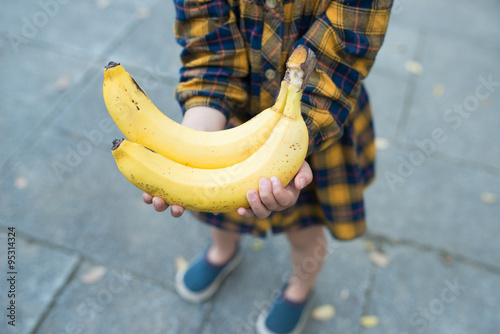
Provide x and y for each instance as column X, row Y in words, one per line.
column 308, row 254
column 224, row 245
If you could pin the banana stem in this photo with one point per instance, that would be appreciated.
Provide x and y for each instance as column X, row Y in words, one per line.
column 116, row 143
column 292, row 108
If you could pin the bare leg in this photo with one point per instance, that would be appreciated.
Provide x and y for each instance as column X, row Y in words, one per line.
column 224, row 244
column 308, row 253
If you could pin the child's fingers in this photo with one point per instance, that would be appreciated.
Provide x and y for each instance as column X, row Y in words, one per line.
column 258, row 208
column 147, row 198
column 176, row 211
column 304, row 176
column 246, row 213
column 283, row 197
column 159, row 204
column 266, row 194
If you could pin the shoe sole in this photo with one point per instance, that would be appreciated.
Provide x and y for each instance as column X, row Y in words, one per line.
column 261, row 328
column 196, row 298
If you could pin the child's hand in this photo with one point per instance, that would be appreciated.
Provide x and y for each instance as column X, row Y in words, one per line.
column 273, row 197
column 160, row 205
column 198, row 118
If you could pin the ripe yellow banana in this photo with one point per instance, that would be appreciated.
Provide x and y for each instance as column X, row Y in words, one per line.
column 221, row 189
column 140, row 121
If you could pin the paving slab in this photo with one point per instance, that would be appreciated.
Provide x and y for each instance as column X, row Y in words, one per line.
column 152, row 47
column 400, row 46
column 467, row 111
column 436, row 203
column 418, row 293
column 83, row 203
column 474, row 20
column 107, row 300
column 40, row 273
column 87, row 118
column 387, row 97
column 264, row 272
column 75, row 27
column 37, row 81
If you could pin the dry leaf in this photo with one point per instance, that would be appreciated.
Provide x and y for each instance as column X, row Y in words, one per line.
column 63, row 83
column 381, row 143
column 20, row 182
column 379, row 259
column 369, row 321
column 414, row 67
column 94, row 274
column 180, row 264
column 257, row 245
column 400, row 48
column 102, row 4
column 323, row 313
column 438, row 90
column 344, row 294
column 448, row 259
column 143, row 12
column 486, row 102
column 489, row 198
column 369, row 246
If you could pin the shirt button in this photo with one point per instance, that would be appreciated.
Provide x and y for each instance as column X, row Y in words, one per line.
column 271, row 3
column 270, row 74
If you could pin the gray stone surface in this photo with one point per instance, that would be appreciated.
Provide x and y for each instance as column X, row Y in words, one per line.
column 387, row 96
column 32, row 93
column 469, row 135
column 40, row 273
column 473, row 20
column 120, row 302
column 161, row 62
column 61, row 189
column 436, row 203
column 401, row 44
column 453, row 298
column 87, row 206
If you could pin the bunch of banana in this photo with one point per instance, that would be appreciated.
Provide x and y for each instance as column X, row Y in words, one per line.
column 139, row 119
column 220, row 186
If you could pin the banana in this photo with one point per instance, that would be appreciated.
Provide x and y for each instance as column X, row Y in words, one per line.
column 221, row 189
column 141, row 121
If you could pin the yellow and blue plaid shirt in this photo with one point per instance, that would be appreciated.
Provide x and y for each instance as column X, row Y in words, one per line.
column 234, row 55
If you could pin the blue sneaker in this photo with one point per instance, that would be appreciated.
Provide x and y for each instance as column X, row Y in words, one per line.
column 202, row 279
column 285, row 316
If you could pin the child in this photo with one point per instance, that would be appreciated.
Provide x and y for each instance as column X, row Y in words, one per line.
column 233, row 61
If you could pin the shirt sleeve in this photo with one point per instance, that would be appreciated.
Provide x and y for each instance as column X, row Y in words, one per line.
column 214, row 59
column 346, row 39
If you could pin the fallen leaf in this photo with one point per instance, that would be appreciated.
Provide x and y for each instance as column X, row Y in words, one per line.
column 486, row 102
column 381, row 143
column 344, row 294
column 94, row 274
column 448, row 259
column 143, row 12
column 489, row 198
column 20, row 182
column 323, row 313
column 102, row 4
column 400, row 48
column 369, row 321
column 257, row 245
column 180, row 264
column 63, row 83
column 369, row 245
column 414, row 67
column 379, row 259
column 438, row 90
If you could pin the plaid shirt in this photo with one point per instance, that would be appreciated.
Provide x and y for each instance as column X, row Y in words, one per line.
column 234, row 55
